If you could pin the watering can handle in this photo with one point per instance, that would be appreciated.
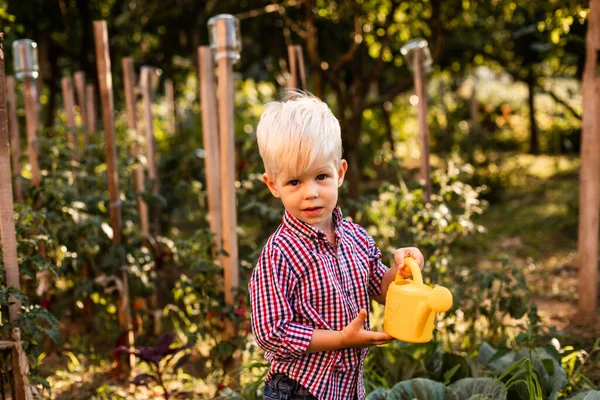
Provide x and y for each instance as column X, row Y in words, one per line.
column 414, row 269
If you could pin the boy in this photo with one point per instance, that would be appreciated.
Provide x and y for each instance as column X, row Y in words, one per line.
column 311, row 288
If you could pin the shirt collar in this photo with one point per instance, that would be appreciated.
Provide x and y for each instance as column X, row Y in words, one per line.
column 303, row 229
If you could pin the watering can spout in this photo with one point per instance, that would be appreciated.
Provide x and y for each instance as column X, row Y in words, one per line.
column 439, row 300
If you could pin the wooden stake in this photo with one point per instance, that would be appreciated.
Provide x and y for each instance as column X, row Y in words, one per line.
column 210, row 135
column 296, row 64
column 170, row 95
column 228, row 197
column 32, row 123
column 90, row 109
column 69, row 104
column 15, row 141
column 589, row 180
column 422, row 109
column 106, row 97
column 301, row 70
column 80, row 91
column 130, row 103
column 227, row 149
column 293, row 63
column 7, row 229
column 147, row 96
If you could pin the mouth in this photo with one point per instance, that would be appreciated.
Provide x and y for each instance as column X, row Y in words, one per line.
column 313, row 211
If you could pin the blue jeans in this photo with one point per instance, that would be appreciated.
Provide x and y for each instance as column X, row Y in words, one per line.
column 280, row 387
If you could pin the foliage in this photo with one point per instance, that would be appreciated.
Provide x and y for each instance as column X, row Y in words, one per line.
column 426, row 389
column 160, row 357
column 399, row 215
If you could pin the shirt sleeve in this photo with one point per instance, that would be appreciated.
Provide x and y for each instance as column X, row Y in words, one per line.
column 376, row 269
column 271, row 285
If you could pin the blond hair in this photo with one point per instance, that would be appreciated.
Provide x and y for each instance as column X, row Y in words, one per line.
column 293, row 132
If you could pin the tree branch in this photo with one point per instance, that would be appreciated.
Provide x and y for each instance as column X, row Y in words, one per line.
column 346, row 57
column 562, row 102
column 390, row 95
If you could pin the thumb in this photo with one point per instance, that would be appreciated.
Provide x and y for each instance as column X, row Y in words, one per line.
column 361, row 317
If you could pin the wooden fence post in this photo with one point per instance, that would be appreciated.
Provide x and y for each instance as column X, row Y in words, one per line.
column 296, row 65
column 422, row 109
column 106, row 97
column 69, row 104
column 170, row 97
column 32, row 123
column 224, row 33
column 130, row 104
column 79, row 78
column 15, row 141
column 589, row 179
column 146, row 79
column 8, row 233
column 292, row 65
column 210, row 135
column 90, row 109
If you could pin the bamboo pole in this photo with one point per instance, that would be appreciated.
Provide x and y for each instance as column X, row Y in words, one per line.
column 69, row 105
column 15, row 142
column 589, row 179
column 130, row 103
column 420, row 79
column 79, row 78
column 210, row 135
column 7, row 231
column 106, row 97
column 170, row 95
column 90, row 109
column 147, row 96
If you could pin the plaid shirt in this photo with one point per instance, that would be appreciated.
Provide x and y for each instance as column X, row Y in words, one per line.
column 304, row 282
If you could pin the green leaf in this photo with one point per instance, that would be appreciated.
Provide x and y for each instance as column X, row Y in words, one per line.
column 379, row 394
column 472, row 388
column 419, row 388
column 586, row 395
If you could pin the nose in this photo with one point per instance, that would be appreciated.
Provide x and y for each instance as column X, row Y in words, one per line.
column 312, row 191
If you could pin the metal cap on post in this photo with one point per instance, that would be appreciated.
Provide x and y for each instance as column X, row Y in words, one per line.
column 229, row 45
column 25, row 59
column 150, row 77
column 409, row 54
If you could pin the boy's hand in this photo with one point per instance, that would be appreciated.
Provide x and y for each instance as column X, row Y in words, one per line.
column 401, row 254
column 354, row 335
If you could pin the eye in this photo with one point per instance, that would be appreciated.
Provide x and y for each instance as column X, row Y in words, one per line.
column 321, row 177
column 294, row 182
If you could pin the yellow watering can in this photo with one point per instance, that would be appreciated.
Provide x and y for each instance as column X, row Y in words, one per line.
column 410, row 306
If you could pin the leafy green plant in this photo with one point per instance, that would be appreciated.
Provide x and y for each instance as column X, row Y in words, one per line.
column 160, row 359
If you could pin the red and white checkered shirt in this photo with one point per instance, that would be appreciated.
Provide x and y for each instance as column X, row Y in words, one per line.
column 304, row 282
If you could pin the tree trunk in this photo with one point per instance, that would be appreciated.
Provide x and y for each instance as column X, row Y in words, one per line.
column 589, row 181
column 533, row 143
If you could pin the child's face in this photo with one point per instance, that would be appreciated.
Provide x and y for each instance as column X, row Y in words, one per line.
column 311, row 196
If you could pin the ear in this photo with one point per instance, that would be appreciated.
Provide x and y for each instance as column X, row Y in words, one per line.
column 271, row 185
column 342, row 172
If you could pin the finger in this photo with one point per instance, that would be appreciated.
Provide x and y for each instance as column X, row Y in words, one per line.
column 399, row 256
column 379, row 336
column 360, row 318
column 381, row 342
